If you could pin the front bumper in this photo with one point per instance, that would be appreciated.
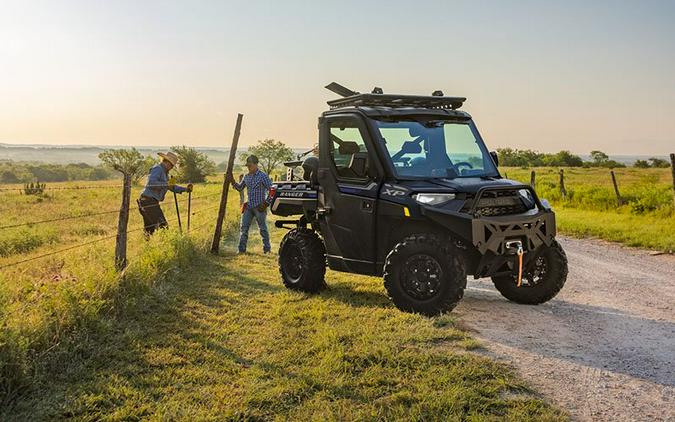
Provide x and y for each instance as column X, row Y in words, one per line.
column 489, row 234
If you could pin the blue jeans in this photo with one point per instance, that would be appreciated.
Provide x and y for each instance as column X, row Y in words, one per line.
column 246, row 219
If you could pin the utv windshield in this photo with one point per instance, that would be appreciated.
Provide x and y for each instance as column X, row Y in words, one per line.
column 437, row 148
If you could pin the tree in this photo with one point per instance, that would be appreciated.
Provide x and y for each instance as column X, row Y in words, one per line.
column 8, row 176
column 599, row 157
column 193, row 166
column 270, row 153
column 641, row 164
column 658, row 162
column 562, row 159
column 131, row 164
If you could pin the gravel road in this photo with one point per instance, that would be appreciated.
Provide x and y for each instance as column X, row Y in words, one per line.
column 604, row 348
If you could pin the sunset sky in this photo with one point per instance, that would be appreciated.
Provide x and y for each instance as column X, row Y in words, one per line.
column 538, row 74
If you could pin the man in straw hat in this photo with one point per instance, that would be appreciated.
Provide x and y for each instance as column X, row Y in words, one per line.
column 155, row 189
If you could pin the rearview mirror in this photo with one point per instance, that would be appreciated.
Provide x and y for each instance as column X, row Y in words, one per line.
column 495, row 157
column 411, row 147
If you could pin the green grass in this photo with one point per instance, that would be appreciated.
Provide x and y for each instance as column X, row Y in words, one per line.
column 645, row 219
column 226, row 341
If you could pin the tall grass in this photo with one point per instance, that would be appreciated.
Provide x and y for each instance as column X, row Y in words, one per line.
column 645, row 218
column 48, row 305
column 22, row 240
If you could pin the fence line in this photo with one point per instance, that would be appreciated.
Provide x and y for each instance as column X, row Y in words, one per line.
column 90, row 242
column 74, row 217
column 21, row 188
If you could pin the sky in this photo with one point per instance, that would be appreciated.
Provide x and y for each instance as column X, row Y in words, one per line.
column 542, row 75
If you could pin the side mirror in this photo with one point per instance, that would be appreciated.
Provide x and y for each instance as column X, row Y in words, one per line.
column 495, row 157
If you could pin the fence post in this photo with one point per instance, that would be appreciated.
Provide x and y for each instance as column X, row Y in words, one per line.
column 563, row 191
column 672, row 169
column 215, row 245
column 121, row 239
column 532, row 178
column 619, row 199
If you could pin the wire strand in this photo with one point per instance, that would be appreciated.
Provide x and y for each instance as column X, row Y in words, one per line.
column 72, row 217
column 21, row 188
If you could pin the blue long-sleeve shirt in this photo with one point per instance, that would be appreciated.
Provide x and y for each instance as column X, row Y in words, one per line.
column 158, row 183
column 257, row 186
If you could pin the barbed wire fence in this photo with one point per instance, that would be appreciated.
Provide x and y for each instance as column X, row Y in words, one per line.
column 200, row 201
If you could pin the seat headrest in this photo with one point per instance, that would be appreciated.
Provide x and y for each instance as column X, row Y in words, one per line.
column 349, row 147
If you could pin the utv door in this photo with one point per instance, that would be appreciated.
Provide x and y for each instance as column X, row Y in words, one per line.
column 347, row 176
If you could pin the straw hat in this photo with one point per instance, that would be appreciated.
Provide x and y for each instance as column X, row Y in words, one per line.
column 170, row 157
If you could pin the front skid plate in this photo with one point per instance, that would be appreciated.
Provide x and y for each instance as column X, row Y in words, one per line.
column 491, row 233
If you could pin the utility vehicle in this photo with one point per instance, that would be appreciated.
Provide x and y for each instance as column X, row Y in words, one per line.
column 403, row 186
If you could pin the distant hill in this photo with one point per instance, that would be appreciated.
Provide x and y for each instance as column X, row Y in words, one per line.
column 67, row 154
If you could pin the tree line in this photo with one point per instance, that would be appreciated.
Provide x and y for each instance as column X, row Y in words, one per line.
column 510, row 157
column 26, row 172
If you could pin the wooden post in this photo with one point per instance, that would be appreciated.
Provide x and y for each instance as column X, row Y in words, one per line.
column 215, row 245
column 563, row 191
column 672, row 169
column 121, row 239
column 532, row 178
column 189, row 210
column 619, row 199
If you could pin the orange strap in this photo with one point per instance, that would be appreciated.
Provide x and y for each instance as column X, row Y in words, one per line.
column 520, row 266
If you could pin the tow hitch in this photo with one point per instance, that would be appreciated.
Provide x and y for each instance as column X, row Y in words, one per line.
column 515, row 247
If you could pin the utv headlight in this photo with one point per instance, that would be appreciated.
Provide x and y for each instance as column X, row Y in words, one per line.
column 433, row 198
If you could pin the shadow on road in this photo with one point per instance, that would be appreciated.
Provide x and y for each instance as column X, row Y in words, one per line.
column 604, row 338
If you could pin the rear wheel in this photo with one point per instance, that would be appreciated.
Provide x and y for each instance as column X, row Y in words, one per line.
column 425, row 274
column 302, row 261
column 544, row 278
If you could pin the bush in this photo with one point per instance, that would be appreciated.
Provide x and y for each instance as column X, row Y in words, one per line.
column 36, row 188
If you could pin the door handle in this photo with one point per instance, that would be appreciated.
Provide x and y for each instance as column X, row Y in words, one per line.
column 367, row 206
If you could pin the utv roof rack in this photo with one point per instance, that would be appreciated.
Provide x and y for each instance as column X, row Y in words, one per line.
column 378, row 98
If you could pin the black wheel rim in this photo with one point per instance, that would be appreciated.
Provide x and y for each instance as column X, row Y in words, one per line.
column 293, row 263
column 421, row 277
column 536, row 273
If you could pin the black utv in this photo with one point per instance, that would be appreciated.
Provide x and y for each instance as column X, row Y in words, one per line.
column 403, row 186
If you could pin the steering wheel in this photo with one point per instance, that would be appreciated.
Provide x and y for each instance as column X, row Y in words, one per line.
column 463, row 164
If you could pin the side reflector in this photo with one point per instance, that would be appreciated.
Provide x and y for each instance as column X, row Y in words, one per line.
column 406, row 211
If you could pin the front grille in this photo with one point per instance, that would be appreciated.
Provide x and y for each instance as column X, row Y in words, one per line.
column 504, row 210
column 499, row 202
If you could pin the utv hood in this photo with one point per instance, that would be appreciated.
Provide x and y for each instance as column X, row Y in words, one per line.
column 460, row 184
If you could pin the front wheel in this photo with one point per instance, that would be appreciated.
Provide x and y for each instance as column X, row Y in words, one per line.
column 302, row 261
column 544, row 278
column 425, row 274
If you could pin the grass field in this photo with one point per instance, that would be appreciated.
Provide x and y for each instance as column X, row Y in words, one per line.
column 182, row 334
column 646, row 219
column 186, row 335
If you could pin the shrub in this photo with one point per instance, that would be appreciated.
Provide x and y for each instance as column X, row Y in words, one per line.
column 36, row 188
